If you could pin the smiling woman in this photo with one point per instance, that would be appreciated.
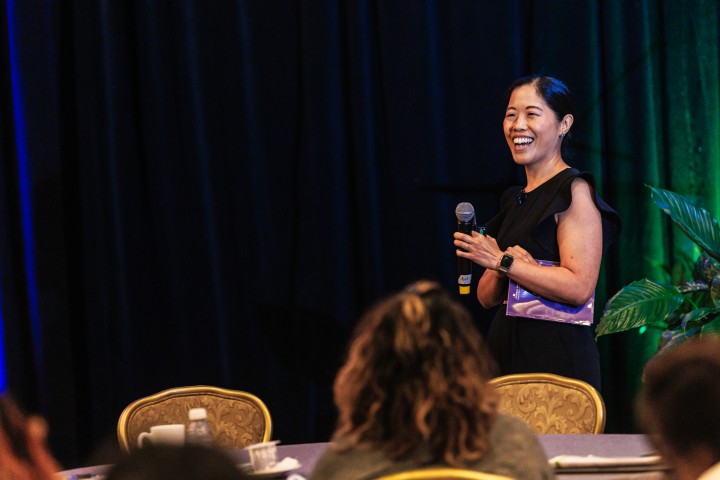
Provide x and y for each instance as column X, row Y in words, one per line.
column 557, row 217
column 532, row 127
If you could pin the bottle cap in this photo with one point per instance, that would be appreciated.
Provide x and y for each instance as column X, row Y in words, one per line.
column 197, row 414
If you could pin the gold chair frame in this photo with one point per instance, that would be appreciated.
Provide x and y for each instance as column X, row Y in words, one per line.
column 132, row 419
column 560, row 389
column 443, row 473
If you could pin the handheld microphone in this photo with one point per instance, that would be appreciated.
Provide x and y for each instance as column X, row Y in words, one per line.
column 465, row 214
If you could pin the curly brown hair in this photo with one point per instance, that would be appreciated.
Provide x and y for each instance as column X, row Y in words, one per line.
column 417, row 373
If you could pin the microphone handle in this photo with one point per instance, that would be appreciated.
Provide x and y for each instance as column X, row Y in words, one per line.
column 464, row 264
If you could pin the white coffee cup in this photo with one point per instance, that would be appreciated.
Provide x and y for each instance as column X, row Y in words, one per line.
column 263, row 455
column 164, row 435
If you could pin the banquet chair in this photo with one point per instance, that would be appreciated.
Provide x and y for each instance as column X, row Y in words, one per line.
column 236, row 418
column 444, row 473
column 551, row 403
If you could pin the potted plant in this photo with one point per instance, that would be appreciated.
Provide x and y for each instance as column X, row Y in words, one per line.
column 688, row 308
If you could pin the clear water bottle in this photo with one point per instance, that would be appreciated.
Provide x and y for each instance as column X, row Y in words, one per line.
column 198, row 430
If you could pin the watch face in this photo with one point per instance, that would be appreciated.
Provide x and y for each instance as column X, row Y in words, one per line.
column 506, row 261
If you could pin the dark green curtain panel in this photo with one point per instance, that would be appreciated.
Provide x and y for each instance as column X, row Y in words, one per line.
column 662, row 129
column 212, row 192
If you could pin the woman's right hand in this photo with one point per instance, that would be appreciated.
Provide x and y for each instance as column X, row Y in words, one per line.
column 481, row 249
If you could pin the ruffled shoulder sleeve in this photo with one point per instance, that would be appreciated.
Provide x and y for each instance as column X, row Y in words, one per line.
column 610, row 219
column 561, row 202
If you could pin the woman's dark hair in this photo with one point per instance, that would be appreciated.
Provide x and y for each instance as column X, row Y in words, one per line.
column 417, row 373
column 555, row 93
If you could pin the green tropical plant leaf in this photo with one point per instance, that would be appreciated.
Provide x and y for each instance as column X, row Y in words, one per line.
column 689, row 287
column 640, row 303
column 691, row 307
column 695, row 222
column 705, row 268
column 699, row 317
column 712, row 328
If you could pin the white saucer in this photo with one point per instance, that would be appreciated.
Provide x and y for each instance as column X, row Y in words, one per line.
column 271, row 472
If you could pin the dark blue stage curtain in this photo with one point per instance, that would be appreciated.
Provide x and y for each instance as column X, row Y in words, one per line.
column 212, row 191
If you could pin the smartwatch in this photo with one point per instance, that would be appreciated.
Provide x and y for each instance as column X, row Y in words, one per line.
column 505, row 262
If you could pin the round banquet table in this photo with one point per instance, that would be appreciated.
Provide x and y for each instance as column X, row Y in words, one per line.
column 604, row 445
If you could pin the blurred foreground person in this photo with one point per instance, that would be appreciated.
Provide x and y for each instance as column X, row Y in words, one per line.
column 678, row 408
column 23, row 453
column 414, row 393
column 171, row 463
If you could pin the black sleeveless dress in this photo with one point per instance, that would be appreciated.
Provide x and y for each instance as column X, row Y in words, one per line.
column 526, row 345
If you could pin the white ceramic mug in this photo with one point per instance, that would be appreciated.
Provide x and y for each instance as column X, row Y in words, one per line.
column 263, row 455
column 164, row 435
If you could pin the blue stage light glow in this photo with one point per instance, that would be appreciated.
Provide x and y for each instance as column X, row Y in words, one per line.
column 25, row 184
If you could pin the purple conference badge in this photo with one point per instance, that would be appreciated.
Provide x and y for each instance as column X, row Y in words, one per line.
column 522, row 303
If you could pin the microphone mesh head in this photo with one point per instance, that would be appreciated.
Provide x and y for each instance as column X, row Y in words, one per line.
column 464, row 212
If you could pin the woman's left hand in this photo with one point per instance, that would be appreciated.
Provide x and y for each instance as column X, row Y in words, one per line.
column 520, row 254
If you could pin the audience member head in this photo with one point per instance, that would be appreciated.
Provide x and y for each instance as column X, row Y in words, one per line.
column 417, row 372
column 189, row 462
column 678, row 404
